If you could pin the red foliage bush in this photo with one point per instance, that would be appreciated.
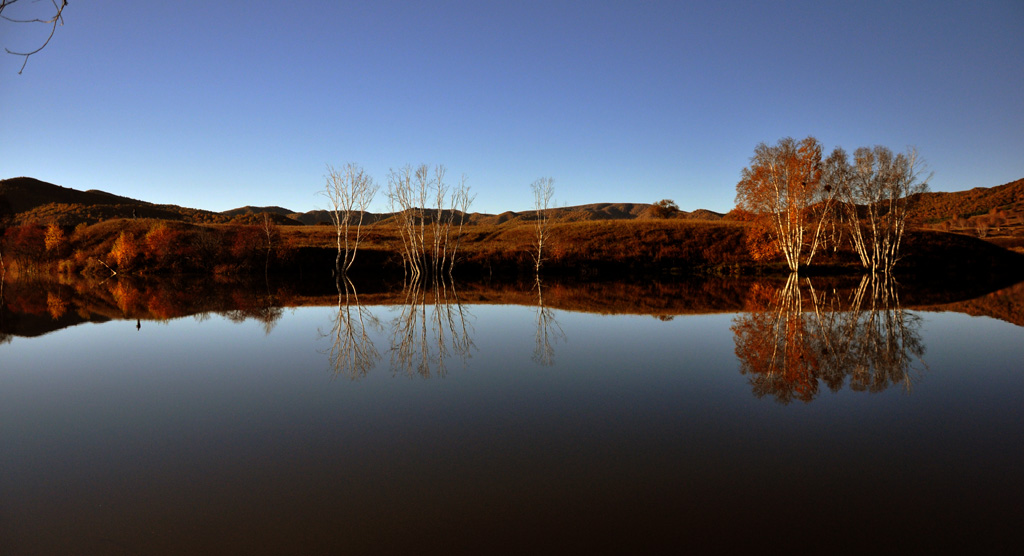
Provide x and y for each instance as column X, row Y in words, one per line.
column 26, row 241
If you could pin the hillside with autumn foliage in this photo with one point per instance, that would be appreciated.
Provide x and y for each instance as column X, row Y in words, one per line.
column 46, row 227
column 28, row 200
column 987, row 212
column 999, row 210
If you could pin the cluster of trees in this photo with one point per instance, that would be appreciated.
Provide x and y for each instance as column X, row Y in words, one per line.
column 430, row 215
column 805, row 201
column 30, row 245
column 153, row 246
column 427, row 208
column 983, row 224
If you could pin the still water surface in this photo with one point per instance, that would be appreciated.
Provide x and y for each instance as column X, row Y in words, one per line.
column 462, row 427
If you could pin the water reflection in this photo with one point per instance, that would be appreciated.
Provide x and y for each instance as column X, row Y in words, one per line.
column 549, row 332
column 352, row 353
column 791, row 339
column 431, row 327
column 31, row 307
column 196, row 429
column 36, row 307
column 789, row 343
column 264, row 308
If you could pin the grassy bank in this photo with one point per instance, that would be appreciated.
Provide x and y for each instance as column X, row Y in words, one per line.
column 587, row 249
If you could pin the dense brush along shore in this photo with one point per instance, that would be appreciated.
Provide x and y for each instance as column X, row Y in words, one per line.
column 589, row 249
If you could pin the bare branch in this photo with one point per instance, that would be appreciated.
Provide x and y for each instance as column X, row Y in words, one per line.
column 53, row 21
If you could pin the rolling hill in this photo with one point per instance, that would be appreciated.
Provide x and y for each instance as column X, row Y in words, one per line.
column 997, row 209
column 27, row 199
column 19, row 195
column 993, row 213
column 936, row 207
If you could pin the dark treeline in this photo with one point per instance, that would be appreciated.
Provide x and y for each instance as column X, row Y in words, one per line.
column 587, row 250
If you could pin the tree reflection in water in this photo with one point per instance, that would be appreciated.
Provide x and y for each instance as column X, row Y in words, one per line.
column 549, row 332
column 262, row 308
column 787, row 349
column 352, row 353
column 422, row 341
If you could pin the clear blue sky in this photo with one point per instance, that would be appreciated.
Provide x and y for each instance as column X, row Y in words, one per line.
column 221, row 104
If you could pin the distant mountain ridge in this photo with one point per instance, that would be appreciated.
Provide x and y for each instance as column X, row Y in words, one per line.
column 258, row 210
column 28, row 199
column 24, row 194
column 25, row 199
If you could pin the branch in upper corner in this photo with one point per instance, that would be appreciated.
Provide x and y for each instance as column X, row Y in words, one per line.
column 52, row 21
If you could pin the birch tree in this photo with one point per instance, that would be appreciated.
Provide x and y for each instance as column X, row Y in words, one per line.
column 400, row 200
column 271, row 235
column 425, row 208
column 876, row 192
column 460, row 202
column 781, row 185
column 349, row 192
column 543, row 191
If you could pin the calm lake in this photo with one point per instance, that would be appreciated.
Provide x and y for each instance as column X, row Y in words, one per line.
column 606, row 418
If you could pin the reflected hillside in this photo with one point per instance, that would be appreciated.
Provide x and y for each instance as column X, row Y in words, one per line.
column 1006, row 304
column 34, row 307
column 795, row 340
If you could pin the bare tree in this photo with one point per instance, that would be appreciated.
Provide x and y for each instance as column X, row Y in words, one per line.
column 421, row 193
column 426, row 231
column 408, row 195
column 543, row 191
column 982, row 225
column 441, row 222
column 271, row 235
column 349, row 192
column 836, row 174
column 400, row 199
column 460, row 202
column 51, row 18
column 877, row 191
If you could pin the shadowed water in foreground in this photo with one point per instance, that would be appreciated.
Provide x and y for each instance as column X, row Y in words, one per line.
column 833, row 416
